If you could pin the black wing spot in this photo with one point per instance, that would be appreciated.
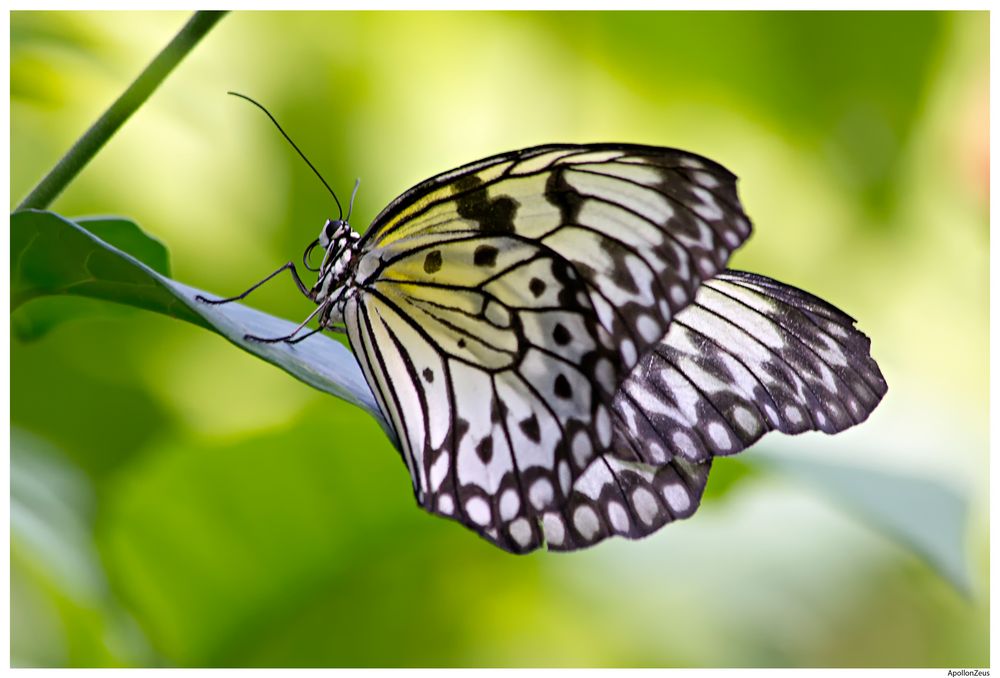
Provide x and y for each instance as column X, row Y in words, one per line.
column 432, row 262
column 485, row 449
column 428, row 375
column 494, row 216
column 563, row 196
column 530, row 429
column 561, row 334
column 562, row 388
column 485, row 255
column 537, row 287
column 498, row 412
column 461, row 343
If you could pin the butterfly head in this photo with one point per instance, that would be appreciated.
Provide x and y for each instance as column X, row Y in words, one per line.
column 332, row 231
column 338, row 241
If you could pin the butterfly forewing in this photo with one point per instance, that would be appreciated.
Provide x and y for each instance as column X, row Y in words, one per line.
column 489, row 389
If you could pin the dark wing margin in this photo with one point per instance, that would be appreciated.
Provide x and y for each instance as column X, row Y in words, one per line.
column 748, row 356
column 627, row 499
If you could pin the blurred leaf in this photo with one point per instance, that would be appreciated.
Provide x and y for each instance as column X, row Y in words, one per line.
column 51, row 506
column 52, row 255
column 35, row 321
column 861, row 122
column 270, row 551
column 62, row 611
column 926, row 516
column 88, row 376
column 44, row 314
column 727, row 473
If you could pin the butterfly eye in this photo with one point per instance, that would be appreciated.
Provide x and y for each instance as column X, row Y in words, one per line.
column 327, row 233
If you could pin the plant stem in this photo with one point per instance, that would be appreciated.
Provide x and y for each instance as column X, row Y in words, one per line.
column 131, row 99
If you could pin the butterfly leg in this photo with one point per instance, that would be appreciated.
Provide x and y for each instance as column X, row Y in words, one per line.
column 304, row 336
column 290, row 266
column 324, row 321
column 290, row 337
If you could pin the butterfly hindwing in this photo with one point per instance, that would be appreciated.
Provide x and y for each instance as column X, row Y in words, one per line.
column 748, row 356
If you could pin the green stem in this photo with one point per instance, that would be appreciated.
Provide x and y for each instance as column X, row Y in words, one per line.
column 131, row 99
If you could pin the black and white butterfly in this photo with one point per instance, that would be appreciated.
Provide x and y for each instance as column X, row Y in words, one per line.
column 554, row 337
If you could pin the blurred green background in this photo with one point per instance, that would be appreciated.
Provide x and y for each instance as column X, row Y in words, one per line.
column 178, row 502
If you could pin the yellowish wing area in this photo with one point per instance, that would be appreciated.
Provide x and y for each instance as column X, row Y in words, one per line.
column 443, row 287
column 404, row 224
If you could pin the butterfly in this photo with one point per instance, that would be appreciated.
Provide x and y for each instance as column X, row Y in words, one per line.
column 554, row 337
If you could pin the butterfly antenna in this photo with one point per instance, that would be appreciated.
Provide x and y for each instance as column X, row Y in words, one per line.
column 350, row 208
column 297, row 150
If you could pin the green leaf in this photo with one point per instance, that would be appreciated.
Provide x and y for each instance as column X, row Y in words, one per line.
column 926, row 516
column 52, row 255
column 38, row 319
column 62, row 609
column 126, row 235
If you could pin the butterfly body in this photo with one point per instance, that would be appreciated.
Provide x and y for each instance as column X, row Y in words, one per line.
column 334, row 277
column 554, row 338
